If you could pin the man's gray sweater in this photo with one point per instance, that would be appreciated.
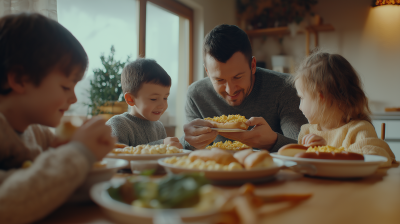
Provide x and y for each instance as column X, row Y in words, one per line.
column 271, row 98
column 133, row 131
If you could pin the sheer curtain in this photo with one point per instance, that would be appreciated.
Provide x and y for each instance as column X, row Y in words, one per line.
column 45, row 7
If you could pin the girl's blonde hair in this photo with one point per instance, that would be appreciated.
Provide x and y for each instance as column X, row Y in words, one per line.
column 332, row 76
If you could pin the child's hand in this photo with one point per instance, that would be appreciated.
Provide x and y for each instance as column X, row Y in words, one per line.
column 96, row 136
column 313, row 140
column 58, row 142
column 173, row 141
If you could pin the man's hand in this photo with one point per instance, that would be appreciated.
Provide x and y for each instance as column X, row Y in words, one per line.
column 260, row 136
column 173, row 141
column 313, row 140
column 198, row 133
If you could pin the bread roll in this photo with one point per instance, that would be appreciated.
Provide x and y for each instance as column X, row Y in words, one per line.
column 258, row 159
column 291, row 149
column 241, row 155
column 215, row 154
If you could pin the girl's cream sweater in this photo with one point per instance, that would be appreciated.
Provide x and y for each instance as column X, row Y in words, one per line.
column 356, row 136
column 29, row 194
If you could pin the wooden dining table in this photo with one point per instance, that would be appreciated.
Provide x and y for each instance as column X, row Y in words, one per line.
column 374, row 199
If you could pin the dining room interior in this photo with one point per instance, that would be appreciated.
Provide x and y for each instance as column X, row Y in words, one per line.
column 231, row 182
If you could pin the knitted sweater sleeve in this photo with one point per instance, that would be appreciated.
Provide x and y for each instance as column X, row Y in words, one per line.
column 291, row 118
column 160, row 131
column 29, row 194
column 120, row 129
column 192, row 113
column 363, row 139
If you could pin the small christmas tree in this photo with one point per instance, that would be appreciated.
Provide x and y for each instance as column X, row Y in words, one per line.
column 106, row 83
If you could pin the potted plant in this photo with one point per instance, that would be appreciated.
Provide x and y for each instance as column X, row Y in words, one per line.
column 105, row 92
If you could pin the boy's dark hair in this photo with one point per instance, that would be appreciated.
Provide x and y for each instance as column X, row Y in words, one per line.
column 143, row 71
column 225, row 40
column 32, row 45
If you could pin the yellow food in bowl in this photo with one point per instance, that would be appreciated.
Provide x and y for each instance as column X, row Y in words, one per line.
column 229, row 145
column 227, row 119
column 326, row 148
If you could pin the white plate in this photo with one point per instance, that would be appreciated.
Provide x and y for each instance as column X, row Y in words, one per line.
column 124, row 213
column 97, row 175
column 339, row 168
column 223, row 175
column 228, row 130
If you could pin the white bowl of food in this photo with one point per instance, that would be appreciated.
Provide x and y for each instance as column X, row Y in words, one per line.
column 123, row 204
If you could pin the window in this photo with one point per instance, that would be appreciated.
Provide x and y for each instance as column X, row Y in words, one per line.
column 157, row 29
column 99, row 24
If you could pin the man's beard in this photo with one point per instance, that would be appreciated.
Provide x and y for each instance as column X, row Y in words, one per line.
column 235, row 102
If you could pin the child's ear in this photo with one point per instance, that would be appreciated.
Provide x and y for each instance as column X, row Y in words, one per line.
column 15, row 84
column 321, row 97
column 129, row 99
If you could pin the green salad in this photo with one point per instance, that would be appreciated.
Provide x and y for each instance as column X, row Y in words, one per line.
column 173, row 191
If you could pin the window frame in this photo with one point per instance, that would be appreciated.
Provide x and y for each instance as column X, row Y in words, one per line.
column 174, row 7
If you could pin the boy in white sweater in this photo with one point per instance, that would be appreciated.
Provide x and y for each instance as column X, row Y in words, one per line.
column 40, row 64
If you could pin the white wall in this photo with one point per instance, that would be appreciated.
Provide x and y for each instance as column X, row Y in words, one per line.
column 214, row 12
column 369, row 38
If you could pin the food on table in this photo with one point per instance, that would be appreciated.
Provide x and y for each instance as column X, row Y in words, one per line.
column 326, row 148
column 229, row 145
column 217, row 159
column 218, row 155
column 241, row 156
column 100, row 164
column 258, row 159
column 291, row 149
column 294, row 149
column 65, row 130
column 242, row 205
column 245, row 206
column 330, row 155
column 251, row 159
column 173, row 191
column 229, row 122
column 26, row 164
column 119, row 145
column 185, row 162
column 148, row 149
